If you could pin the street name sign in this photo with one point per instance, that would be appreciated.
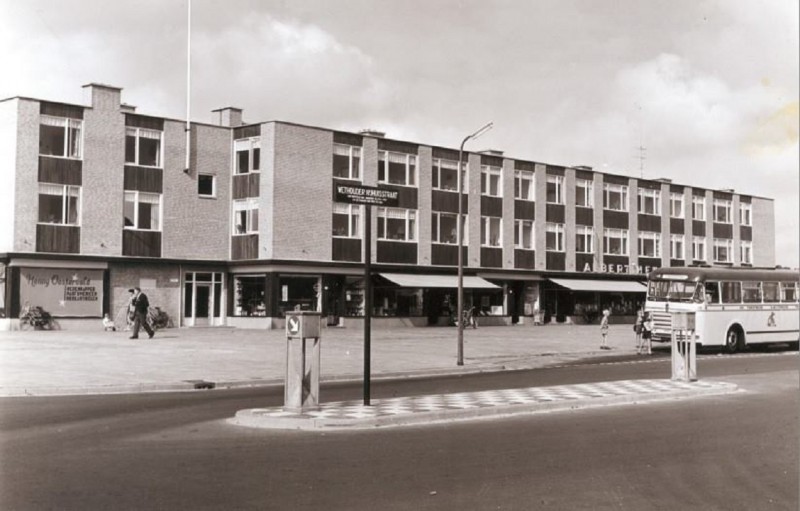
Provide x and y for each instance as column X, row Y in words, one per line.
column 369, row 195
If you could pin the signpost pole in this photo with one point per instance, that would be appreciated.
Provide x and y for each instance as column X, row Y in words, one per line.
column 367, row 299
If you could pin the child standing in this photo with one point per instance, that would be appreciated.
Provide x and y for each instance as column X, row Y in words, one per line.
column 637, row 328
column 604, row 330
column 647, row 333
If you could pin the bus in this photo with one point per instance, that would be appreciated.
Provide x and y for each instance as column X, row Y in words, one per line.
column 733, row 307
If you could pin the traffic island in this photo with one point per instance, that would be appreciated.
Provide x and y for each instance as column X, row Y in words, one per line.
column 437, row 408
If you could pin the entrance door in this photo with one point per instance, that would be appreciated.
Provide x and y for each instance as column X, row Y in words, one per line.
column 202, row 305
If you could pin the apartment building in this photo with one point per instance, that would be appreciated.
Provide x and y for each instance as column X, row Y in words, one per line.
column 98, row 198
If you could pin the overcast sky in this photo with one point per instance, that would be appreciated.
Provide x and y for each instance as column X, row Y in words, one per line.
column 709, row 88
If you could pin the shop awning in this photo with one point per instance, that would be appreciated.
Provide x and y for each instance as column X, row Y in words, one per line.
column 618, row 286
column 446, row 281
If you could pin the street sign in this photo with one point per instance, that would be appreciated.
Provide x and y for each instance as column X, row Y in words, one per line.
column 369, row 195
column 293, row 325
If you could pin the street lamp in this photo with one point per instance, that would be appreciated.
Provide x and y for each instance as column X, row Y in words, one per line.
column 460, row 228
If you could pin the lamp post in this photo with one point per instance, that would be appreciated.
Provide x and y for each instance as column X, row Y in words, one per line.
column 460, row 229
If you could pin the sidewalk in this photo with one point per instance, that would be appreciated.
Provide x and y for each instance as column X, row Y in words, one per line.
column 77, row 362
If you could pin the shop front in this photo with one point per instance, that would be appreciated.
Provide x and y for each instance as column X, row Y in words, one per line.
column 582, row 301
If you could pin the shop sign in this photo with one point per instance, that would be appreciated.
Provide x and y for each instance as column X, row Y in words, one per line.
column 63, row 292
column 369, row 195
column 619, row 268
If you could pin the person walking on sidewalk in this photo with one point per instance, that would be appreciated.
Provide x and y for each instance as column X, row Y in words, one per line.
column 637, row 328
column 604, row 330
column 141, row 305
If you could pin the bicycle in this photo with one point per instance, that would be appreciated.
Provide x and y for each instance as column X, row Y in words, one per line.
column 36, row 317
column 157, row 318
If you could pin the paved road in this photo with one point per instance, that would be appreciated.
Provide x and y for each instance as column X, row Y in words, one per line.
column 175, row 451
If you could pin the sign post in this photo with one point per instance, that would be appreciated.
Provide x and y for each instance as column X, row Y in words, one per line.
column 367, row 196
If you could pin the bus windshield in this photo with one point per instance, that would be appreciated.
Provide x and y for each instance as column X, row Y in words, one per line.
column 672, row 291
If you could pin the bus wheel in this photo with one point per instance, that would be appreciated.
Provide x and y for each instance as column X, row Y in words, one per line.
column 734, row 340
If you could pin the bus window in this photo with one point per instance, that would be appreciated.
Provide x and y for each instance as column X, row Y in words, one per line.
column 751, row 292
column 788, row 291
column 731, row 292
column 770, row 291
column 712, row 292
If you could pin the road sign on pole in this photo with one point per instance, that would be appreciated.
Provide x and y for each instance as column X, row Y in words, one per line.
column 367, row 196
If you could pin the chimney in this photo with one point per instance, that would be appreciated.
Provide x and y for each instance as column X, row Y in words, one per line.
column 664, row 180
column 582, row 167
column 491, row 152
column 370, row 132
column 130, row 109
column 230, row 116
column 102, row 97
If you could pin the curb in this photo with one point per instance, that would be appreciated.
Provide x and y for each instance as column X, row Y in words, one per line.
column 263, row 418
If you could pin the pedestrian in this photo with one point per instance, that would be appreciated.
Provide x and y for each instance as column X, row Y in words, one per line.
column 141, row 305
column 637, row 328
column 130, row 313
column 647, row 333
column 604, row 330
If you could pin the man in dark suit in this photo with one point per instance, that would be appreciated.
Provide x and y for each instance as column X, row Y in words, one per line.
column 141, row 304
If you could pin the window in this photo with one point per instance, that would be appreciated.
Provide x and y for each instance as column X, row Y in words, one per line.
column 615, row 197
column 731, row 292
column 206, row 185
column 346, row 220
column 676, row 205
column 722, row 211
column 143, row 147
column 788, row 291
column 248, row 155
column 745, row 213
column 584, row 193
column 676, row 246
column 59, row 136
column 615, row 242
column 249, row 295
column 397, row 168
column 770, row 292
column 649, row 201
column 698, row 207
column 698, row 248
column 444, row 228
column 746, row 252
column 490, row 181
column 445, row 175
column 347, row 162
column 555, row 189
column 751, row 292
column 650, row 244
column 523, row 234
column 554, row 237
column 142, row 211
column 245, row 216
column 523, row 185
column 723, row 251
column 397, row 224
column 491, row 235
column 59, row 204
column 584, row 240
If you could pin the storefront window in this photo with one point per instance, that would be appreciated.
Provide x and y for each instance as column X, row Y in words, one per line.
column 249, row 299
column 297, row 292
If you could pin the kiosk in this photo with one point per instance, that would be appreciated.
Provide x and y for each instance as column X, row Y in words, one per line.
column 301, row 390
column 684, row 347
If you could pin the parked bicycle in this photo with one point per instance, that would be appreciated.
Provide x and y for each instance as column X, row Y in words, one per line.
column 157, row 318
column 36, row 317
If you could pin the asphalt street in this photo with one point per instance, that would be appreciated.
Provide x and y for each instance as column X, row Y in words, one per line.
column 175, row 450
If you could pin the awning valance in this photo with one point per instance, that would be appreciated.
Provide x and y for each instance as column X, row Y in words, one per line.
column 618, row 286
column 442, row 281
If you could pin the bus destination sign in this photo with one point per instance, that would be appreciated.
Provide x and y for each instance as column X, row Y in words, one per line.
column 369, row 195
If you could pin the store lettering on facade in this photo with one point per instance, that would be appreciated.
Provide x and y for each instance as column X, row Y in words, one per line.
column 632, row 269
column 63, row 292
